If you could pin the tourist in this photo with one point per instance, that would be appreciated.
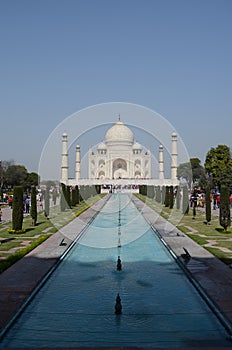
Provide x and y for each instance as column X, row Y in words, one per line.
column 214, row 201
column 218, row 198
column 10, row 201
column 27, row 204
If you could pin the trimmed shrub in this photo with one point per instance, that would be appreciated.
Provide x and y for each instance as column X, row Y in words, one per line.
column 150, row 192
column 185, row 203
column 63, row 203
column 178, row 197
column 171, row 197
column 33, row 206
column 158, row 194
column 163, row 194
column 47, row 203
column 68, row 196
column 207, row 205
column 17, row 213
column 224, row 216
column 167, row 197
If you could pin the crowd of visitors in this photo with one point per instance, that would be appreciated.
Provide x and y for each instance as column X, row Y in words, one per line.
column 197, row 197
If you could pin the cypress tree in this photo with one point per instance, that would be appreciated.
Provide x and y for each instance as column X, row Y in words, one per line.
column 224, row 217
column 78, row 194
column 207, row 205
column 54, row 196
column 163, row 194
column 97, row 189
column 178, row 197
column 167, row 196
column 194, row 209
column 171, row 197
column 47, row 203
column 73, row 197
column 185, row 204
column 150, row 192
column 33, row 206
column 63, row 203
column 68, row 196
column 158, row 194
column 17, row 213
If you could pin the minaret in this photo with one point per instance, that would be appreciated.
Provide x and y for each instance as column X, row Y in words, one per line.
column 64, row 166
column 77, row 162
column 161, row 163
column 174, row 157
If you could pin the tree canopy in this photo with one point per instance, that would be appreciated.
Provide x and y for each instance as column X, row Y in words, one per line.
column 184, row 171
column 192, row 171
column 16, row 175
column 218, row 165
column 198, row 171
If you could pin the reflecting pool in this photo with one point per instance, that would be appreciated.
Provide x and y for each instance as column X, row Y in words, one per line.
column 76, row 306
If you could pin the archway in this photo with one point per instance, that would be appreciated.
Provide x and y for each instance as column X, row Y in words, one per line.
column 120, row 169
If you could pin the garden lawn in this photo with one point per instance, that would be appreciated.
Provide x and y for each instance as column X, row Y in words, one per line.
column 212, row 237
column 14, row 246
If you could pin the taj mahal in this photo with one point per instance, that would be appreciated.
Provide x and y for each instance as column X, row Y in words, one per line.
column 119, row 160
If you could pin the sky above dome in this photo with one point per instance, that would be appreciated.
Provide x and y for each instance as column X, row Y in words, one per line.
column 58, row 57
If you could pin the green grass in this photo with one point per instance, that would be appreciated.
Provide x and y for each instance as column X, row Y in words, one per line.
column 11, row 259
column 198, row 239
column 225, row 258
column 213, row 231
column 34, row 234
column 183, row 229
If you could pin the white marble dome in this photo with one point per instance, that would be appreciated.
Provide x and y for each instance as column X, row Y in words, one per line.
column 101, row 146
column 137, row 145
column 119, row 132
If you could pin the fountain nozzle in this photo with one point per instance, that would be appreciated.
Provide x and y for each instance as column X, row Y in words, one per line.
column 118, row 305
column 119, row 264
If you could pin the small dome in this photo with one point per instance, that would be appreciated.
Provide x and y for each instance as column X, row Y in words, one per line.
column 137, row 145
column 119, row 133
column 101, row 146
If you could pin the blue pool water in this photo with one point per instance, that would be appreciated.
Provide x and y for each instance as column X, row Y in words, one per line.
column 75, row 307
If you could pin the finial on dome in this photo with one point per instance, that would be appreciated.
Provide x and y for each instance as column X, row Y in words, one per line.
column 119, row 117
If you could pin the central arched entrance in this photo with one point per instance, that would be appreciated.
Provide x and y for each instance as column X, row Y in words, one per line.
column 120, row 169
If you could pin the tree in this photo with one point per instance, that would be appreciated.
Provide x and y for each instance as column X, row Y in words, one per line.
column 194, row 204
column 150, row 191
column 17, row 213
column 158, row 194
column 163, row 193
column 198, row 172
column 208, row 205
column 225, row 208
column 184, row 172
column 33, row 206
column 16, row 175
column 178, row 197
column 218, row 165
column 63, row 203
column 68, row 196
column 167, row 197
column 47, row 203
column 32, row 179
column 185, row 203
column 171, row 197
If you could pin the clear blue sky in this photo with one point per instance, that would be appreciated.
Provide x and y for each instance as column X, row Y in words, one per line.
column 59, row 56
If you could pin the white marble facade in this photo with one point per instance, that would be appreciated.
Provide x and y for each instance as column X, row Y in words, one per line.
column 119, row 156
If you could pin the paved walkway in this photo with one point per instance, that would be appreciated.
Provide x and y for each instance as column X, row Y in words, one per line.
column 20, row 279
